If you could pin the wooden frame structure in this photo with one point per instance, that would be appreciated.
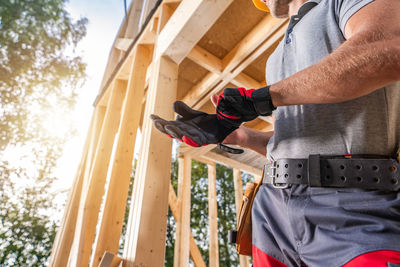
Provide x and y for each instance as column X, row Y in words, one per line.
column 164, row 51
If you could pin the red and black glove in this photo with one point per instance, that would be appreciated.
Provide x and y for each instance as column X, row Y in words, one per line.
column 194, row 127
column 237, row 105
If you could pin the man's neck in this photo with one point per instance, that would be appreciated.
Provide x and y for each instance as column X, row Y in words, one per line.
column 294, row 6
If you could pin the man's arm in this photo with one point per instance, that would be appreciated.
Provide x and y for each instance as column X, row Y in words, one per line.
column 249, row 138
column 368, row 60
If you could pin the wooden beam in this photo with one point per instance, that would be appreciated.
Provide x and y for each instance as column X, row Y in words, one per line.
column 191, row 20
column 243, row 80
column 194, row 249
column 213, row 64
column 230, row 163
column 123, row 43
column 132, row 27
column 110, row 260
column 238, row 185
column 264, row 35
column 145, row 238
column 93, row 193
column 198, row 91
column 194, row 151
column 213, row 215
column 232, row 70
column 64, row 238
column 205, row 59
column 121, row 165
column 262, row 31
column 182, row 240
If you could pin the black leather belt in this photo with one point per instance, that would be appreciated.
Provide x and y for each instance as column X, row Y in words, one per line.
column 318, row 171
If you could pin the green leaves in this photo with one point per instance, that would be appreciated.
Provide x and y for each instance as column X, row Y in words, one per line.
column 39, row 78
column 34, row 63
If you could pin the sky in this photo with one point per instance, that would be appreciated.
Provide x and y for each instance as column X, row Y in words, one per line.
column 105, row 17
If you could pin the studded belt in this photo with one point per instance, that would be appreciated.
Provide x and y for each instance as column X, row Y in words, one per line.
column 319, row 171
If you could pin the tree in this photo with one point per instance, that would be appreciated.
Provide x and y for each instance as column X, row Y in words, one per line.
column 39, row 79
column 35, row 70
column 199, row 213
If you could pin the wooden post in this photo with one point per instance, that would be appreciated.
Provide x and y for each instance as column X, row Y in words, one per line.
column 121, row 166
column 212, row 215
column 182, row 240
column 63, row 241
column 145, row 238
column 194, row 249
column 93, row 193
column 237, row 181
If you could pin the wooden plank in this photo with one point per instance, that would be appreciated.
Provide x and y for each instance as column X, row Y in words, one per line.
column 231, row 163
column 231, row 71
column 265, row 28
column 121, row 165
column 123, row 43
column 238, row 185
column 174, row 203
column 181, row 250
column 198, row 91
column 145, row 238
column 166, row 13
column 93, row 192
column 204, row 161
column 109, row 260
column 63, row 241
column 197, row 151
column 205, row 59
column 132, row 27
column 256, row 42
column 194, row 249
column 191, row 20
column 243, row 80
column 213, row 215
column 213, row 64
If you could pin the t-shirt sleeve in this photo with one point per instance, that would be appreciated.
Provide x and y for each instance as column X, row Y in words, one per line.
column 347, row 8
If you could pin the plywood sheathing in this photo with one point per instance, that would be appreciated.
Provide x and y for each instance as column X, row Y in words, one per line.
column 231, row 27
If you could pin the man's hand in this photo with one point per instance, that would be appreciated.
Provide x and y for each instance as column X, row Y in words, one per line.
column 194, row 127
column 237, row 105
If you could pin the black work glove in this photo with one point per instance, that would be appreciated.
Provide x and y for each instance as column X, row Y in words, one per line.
column 194, row 127
column 237, row 105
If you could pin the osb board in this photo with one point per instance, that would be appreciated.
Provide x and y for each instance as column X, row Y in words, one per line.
column 256, row 69
column 189, row 74
column 233, row 25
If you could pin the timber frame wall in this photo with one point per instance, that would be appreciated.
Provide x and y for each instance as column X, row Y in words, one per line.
column 165, row 51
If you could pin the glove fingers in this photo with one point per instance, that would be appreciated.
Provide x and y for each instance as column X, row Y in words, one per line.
column 187, row 133
column 159, row 123
column 174, row 131
column 232, row 92
column 185, row 111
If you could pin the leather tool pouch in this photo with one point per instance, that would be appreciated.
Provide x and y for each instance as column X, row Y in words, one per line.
column 243, row 235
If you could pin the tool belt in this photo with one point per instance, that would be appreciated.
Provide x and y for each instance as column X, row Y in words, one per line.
column 356, row 171
column 365, row 172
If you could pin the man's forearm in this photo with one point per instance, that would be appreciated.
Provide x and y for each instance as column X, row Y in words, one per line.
column 256, row 140
column 355, row 69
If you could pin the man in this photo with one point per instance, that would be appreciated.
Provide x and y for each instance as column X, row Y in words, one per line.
column 335, row 95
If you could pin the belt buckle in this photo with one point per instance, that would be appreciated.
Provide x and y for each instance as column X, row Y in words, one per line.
column 273, row 176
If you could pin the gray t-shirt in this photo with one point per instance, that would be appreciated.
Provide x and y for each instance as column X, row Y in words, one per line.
column 366, row 125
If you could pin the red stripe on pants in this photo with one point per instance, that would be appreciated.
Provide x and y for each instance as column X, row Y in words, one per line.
column 260, row 259
column 378, row 258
